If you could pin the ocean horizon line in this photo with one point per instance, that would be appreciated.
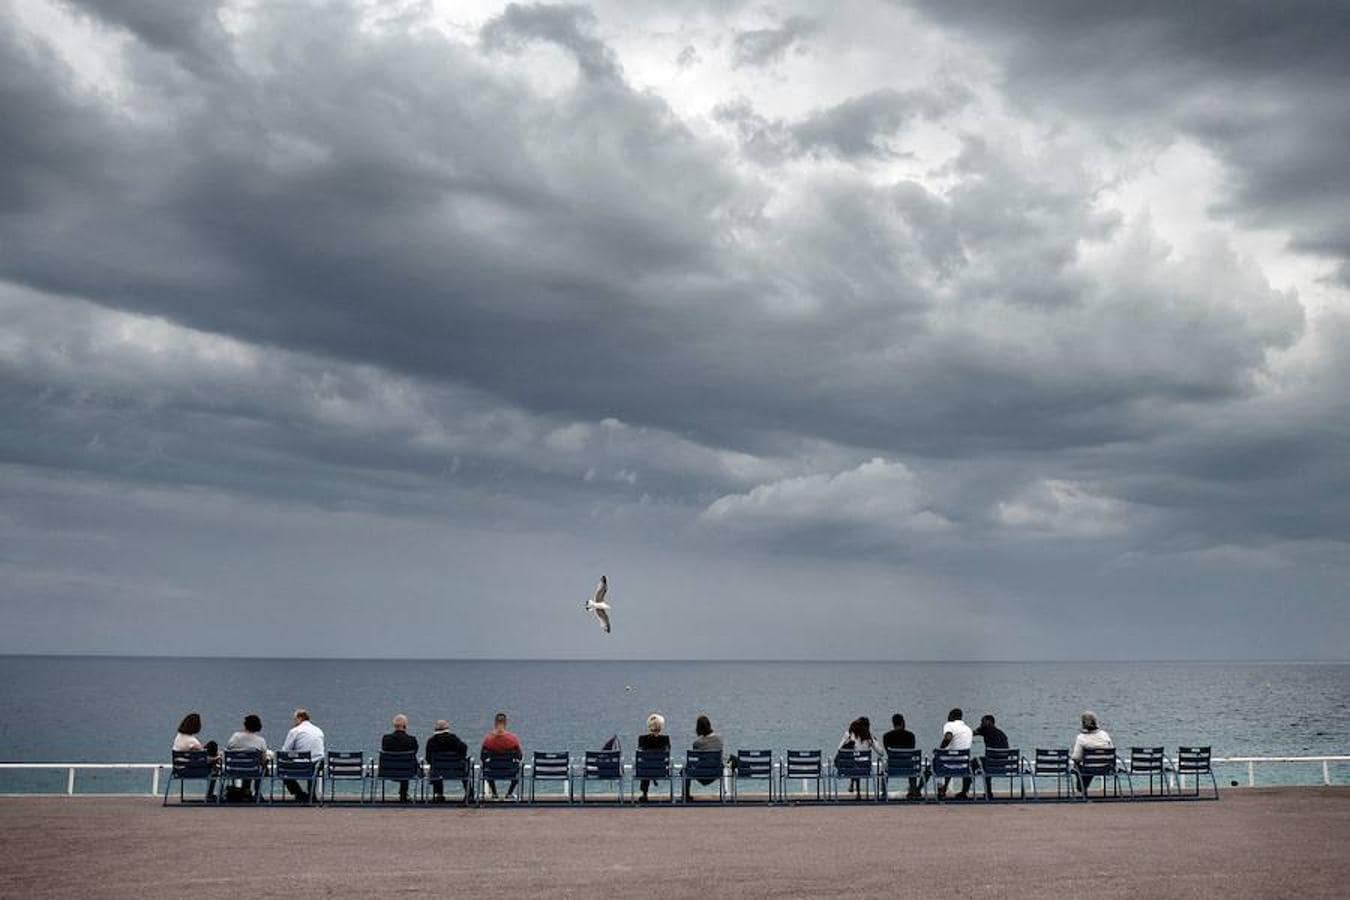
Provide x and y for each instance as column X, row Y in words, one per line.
column 710, row 659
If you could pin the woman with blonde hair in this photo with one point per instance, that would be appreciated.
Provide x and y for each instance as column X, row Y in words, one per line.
column 654, row 739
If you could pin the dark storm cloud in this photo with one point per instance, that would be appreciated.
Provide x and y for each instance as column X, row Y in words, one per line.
column 762, row 46
column 1266, row 86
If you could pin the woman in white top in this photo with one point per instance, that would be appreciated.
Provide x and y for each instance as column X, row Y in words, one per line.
column 1092, row 737
column 186, row 739
column 859, row 737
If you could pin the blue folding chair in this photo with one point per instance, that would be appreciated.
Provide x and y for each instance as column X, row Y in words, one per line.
column 1194, row 761
column 293, row 766
column 1098, row 762
column 190, row 765
column 856, row 766
column 1053, row 763
column 498, row 767
column 396, row 765
column 246, row 766
column 445, row 766
column 705, row 767
column 751, row 765
column 801, row 765
column 602, row 765
column 999, row 762
column 551, row 767
column 654, row 765
column 1148, row 763
column 345, row 766
column 948, row 764
column 904, row 763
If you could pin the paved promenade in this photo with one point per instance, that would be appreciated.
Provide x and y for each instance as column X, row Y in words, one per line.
column 1289, row 842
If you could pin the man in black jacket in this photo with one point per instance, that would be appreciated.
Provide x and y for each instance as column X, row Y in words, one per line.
column 399, row 741
column 445, row 741
column 901, row 739
column 994, row 739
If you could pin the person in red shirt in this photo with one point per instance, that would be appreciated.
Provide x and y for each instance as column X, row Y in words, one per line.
column 500, row 742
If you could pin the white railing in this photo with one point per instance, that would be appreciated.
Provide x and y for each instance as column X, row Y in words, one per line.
column 1251, row 762
column 71, row 769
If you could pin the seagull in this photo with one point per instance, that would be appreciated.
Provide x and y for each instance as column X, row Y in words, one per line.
column 599, row 605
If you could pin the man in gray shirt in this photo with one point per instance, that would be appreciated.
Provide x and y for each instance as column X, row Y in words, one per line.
column 250, row 738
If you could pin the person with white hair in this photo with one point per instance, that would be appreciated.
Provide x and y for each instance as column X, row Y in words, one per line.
column 654, row 739
column 1091, row 737
column 399, row 741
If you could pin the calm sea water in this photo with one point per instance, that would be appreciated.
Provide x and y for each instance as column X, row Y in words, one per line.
column 99, row 709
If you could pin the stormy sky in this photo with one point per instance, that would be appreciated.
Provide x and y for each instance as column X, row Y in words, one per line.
column 875, row 330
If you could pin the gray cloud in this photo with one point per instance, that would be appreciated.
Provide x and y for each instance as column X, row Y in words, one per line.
column 762, row 46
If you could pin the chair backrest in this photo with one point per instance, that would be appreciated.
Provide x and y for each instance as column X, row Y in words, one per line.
column 448, row 764
column 1051, row 762
column 951, row 763
column 703, row 764
column 242, row 764
column 1098, row 761
column 853, row 763
column 1146, row 760
column 754, row 763
column 802, row 764
column 603, row 765
column 496, row 765
column 345, row 766
column 1193, row 760
column 651, row 764
column 400, row 764
column 1002, row 761
column 552, row 766
column 190, row 764
column 904, row 763
column 294, row 765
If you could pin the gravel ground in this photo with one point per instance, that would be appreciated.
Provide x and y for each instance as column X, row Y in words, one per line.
column 1282, row 842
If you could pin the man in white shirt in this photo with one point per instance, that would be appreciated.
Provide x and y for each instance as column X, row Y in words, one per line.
column 1092, row 737
column 956, row 735
column 304, row 737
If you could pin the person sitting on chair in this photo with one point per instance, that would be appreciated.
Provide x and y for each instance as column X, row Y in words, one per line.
column 249, row 739
column 956, row 735
column 186, row 739
column 1092, row 737
column 305, row 737
column 399, row 741
column 443, row 740
column 654, row 739
column 899, row 738
column 994, row 739
column 500, row 742
column 705, row 739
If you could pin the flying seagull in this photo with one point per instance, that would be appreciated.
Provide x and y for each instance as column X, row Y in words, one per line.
column 599, row 605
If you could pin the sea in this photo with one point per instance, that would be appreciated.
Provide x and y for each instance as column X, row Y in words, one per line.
column 122, row 709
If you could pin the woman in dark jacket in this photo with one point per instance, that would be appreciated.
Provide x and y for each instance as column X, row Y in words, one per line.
column 654, row 739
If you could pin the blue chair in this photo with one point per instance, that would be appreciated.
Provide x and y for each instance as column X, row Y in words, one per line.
column 602, row 765
column 801, row 765
column 752, row 765
column 551, row 767
column 346, row 766
column 1194, row 761
column 1054, row 764
column 1148, row 763
column 498, row 767
column 704, row 766
column 190, row 765
column 1097, row 762
column 904, row 763
column 291, row 766
column 947, row 764
column 244, row 765
column 396, row 765
column 855, row 765
column 654, row 765
column 999, row 762
column 445, row 765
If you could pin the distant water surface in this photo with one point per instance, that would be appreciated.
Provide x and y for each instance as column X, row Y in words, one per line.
column 100, row 709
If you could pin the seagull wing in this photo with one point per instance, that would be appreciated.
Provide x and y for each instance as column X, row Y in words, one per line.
column 603, row 616
column 600, row 590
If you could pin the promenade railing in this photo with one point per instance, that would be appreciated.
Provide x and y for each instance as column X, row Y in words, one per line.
column 76, row 773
